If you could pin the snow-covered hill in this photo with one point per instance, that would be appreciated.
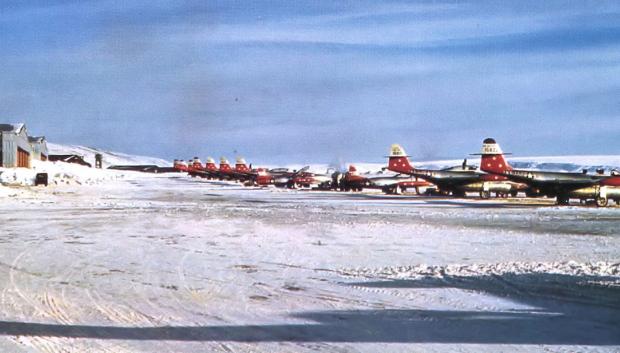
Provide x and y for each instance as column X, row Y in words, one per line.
column 109, row 158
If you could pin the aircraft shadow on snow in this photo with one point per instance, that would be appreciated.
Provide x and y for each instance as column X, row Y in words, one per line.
column 565, row 310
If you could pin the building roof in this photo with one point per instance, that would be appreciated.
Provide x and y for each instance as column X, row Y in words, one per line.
column 14, row 128
column 38, row 139
column 69, row 158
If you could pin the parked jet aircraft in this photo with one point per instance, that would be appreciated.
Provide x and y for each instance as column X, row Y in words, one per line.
column 196, row 169
column 241, row 172
column 299, row 178
column 180, row 165
column 456, row 180
column 391, row 184
column 561, row 185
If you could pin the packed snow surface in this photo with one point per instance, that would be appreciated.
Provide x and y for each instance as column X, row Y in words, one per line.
column 167, row 263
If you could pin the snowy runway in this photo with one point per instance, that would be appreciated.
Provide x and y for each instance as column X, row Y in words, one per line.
column 181, row 265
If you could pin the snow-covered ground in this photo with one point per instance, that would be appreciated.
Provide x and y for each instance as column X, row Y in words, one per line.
column 166, row 263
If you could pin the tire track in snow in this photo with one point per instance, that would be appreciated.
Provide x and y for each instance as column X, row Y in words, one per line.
column 48, row 305
column 45, row 344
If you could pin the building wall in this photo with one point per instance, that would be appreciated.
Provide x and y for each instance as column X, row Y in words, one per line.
column 44, row 151
column 39, row 150
column 11, row 143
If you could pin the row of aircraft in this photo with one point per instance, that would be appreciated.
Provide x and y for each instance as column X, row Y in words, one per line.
column 494, row 176
column 351, row 180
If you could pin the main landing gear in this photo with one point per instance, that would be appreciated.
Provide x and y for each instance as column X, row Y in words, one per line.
column 598, row 201
column 563, row 200
column 602, row 201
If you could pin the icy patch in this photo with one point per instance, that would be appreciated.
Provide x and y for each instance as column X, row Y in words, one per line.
column 570, row 268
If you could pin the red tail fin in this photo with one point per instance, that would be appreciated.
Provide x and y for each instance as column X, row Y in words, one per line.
column 492, row 160
column 180, row 165
column 224, row 165
column 241, row 166
column 352, row 169
column 210, row 165
column 196, row 163
column 398, row 161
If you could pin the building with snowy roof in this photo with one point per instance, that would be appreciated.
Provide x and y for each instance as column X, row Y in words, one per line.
column 39, row 147
column 15, row 148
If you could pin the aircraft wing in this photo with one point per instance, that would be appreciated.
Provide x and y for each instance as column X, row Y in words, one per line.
column 200, row 173
column 557, row 182
column 302, row 170
column 446, row 179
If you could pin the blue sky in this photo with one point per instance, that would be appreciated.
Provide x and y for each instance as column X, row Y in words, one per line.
column 315, row 81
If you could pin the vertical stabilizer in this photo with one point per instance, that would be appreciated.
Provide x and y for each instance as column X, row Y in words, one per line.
column 492, row 160
column 398, row 160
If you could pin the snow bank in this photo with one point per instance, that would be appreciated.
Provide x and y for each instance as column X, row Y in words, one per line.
column 17, row 176
column 68, row 173
column 499, row 269
column 58, row 173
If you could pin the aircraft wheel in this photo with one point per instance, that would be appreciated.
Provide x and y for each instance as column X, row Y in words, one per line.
column 485, row 195
column 563, row 200
column 514, row 193
column 601, row 201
